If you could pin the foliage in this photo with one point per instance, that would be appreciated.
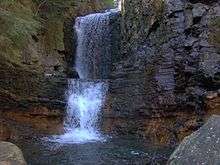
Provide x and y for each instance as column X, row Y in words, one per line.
column 215, row 31
column 53, row 8
column 57, row 8
column 21, row 19
column 109, row 2
column 17, row 22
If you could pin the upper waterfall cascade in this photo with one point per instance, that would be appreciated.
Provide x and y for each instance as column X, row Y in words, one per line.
column 93, row 54
column 117, row 4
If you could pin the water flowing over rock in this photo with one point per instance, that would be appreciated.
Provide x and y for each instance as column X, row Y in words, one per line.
column 118, row 4
column 94, row 53
column 161, row 58
column 85, row 100
column 94, row 57
column 36, row 66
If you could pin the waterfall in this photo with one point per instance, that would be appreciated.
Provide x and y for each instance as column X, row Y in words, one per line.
column 93, row 55
column 93, row 63
column 117, row 4
column 85, row 100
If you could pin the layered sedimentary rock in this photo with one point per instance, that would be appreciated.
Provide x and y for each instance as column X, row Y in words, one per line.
column 165, row 73
column 169, row 62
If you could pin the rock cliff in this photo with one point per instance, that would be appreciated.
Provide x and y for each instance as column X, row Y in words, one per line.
column 169, row 63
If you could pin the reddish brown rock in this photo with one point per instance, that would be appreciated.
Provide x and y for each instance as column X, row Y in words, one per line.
column 5, row 132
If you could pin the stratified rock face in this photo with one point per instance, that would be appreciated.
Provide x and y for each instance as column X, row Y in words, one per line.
column 202, row 147
column 170, row 59
column 10, row 154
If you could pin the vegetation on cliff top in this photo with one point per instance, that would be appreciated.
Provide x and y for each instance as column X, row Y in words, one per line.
column 17, row 22
column 22, row 19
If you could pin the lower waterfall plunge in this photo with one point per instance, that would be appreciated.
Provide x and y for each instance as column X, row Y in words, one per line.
column 85, row 100
column 93, row 63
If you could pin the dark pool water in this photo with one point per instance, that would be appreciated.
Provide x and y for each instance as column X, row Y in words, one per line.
column 115, row 151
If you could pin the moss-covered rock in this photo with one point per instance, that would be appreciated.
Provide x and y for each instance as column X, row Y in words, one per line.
column 215, row 32
column 36, row 45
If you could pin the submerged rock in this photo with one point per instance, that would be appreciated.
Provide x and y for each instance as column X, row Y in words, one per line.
column 201, row 147
column 10, row 154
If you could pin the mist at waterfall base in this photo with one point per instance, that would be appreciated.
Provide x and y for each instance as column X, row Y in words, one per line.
column 85, row 100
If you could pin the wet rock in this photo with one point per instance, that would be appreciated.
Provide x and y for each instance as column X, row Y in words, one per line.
column 199, row 10
column 169, row 62
column 175, row 6
column 201, row 147
column 213, row 105
column 40, row 120
column 10, row 154
column 72, row 73
column 208, row 2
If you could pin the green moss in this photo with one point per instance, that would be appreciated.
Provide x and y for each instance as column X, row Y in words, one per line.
column 109, row 2
column 54, row 35
column 55, row 9
column 17, row 22
column 43, row 19
column 214, row 36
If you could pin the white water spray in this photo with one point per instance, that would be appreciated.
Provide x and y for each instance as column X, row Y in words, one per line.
column 117, row 4
column 85, row 100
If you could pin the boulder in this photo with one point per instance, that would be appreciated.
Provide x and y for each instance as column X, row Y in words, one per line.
column 10, row 154
column 201, row 147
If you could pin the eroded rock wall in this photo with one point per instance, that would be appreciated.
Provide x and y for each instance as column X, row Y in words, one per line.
column 170, row 61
